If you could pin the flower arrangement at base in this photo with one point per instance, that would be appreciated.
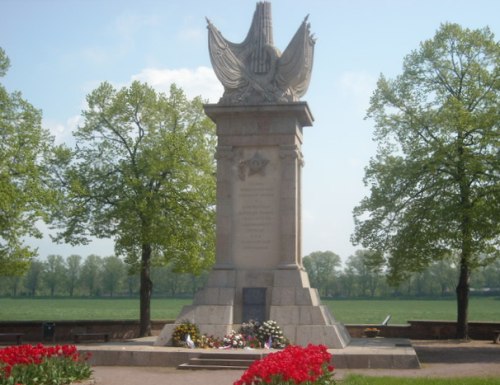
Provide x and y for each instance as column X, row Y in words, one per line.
column 250, row 328
column 41, row 365
column 253, row 342
column 234, row 340
column 271, row 336
column 210, row 342
column 295, row 365
column 182, row 331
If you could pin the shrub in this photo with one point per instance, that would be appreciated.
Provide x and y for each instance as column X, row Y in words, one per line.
column 40, row 365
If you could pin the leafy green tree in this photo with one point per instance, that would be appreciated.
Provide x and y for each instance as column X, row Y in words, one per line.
column 33, row 277
column 492, row 275
column 74, row 269
column 444, row 273
column 24, row 196
column 435, row 187
column 143, row 173
column 321, row 267
column 366, row 267
column 347, row 282
column 10, row 285
column 113, row 274
column 54, row 274
column 167, row 281
column 133, row 284
column 91, row 274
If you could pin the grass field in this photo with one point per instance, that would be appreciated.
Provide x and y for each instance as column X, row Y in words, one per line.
column 375, row 311
column 346, row 311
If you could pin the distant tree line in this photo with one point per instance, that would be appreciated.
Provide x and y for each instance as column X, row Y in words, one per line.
column 95, row 276
column 361, row 276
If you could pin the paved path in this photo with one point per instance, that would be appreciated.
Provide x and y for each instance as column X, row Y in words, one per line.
column 117, row 375
column 439, row 359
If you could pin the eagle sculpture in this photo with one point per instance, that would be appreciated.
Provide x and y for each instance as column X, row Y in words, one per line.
column 255, row 71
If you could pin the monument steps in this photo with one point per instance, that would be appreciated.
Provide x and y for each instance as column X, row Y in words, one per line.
column 220, row 361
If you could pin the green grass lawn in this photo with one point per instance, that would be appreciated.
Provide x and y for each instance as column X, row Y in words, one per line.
column 17, row 309
column 365, row 380
column 346, row 311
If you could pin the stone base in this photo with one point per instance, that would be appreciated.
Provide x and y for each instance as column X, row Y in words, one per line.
column 290, row 301
column 366, row 353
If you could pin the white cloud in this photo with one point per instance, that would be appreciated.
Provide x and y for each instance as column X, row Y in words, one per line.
column 198, row 82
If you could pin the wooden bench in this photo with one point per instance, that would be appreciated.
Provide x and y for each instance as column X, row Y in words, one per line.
column 90, row 336
column 11, row 336
column 496, row 336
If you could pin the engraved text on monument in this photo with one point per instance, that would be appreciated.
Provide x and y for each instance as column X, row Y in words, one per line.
column 256, row 215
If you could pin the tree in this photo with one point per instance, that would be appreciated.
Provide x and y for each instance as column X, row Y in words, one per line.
column 113, row 274
column 347, row 282
column 142, row 173
column 321, row 267
column 491, row 275
column 445, row 275
column 366, row 266
column 74, row 269
column 91, row 274
column 435, row 187
column 10, row 285
column 24, row 195
column 133, row 283
column 54, row 272
column 33, row 277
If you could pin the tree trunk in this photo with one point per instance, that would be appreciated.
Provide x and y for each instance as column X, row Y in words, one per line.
column 146, row 289
column 466, row 247
column 463, row 302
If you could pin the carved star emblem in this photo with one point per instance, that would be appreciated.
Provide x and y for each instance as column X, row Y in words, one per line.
column 255, row 165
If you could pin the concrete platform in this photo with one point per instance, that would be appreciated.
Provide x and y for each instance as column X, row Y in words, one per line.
column 367, row 353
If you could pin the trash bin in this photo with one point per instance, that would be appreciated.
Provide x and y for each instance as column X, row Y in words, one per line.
column 48, row 330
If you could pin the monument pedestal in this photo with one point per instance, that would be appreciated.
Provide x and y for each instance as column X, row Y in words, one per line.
column 289, row 300
column 258, row 272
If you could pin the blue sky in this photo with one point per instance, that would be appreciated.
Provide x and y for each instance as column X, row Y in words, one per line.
column 60, row 50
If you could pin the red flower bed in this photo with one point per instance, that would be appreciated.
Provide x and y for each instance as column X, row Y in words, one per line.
column 294, row 365
column 27, row 364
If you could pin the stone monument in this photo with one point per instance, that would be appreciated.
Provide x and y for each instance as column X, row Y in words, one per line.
column 258, row 272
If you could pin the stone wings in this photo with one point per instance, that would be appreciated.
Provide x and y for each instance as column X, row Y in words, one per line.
column 255, row 71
